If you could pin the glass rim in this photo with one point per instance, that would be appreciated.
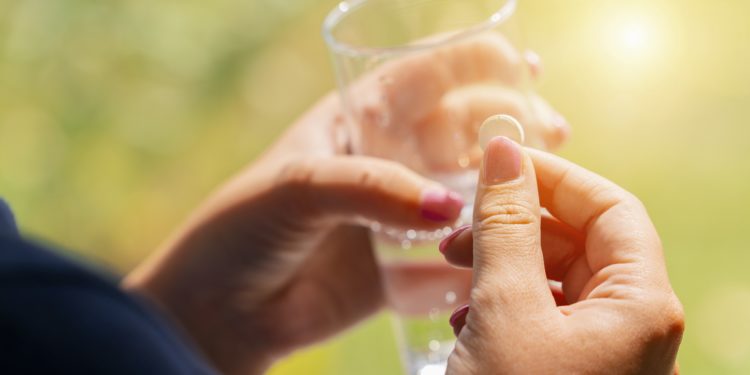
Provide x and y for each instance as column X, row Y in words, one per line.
column 346, row 7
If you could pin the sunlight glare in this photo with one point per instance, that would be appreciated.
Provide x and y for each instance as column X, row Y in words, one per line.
column 633, row 39
column 635, row 36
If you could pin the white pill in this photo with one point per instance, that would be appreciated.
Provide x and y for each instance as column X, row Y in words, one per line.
column 500, row 125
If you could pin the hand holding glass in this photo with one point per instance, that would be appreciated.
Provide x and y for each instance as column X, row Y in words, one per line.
column 417, row 79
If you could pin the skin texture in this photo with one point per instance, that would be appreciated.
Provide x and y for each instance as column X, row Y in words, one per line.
column 619, row 314
column 274, row 260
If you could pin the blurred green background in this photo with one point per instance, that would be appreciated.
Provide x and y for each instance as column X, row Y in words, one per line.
column 118, row 117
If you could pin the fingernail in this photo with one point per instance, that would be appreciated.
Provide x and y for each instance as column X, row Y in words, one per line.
column 559, row 131
column 447, row 240
column 458, row 319
column 562, row 126
column 535, row 63
column 441, row 205
column 502, row 161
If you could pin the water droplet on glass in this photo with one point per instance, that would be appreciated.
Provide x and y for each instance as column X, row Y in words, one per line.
column 463, row 161
column 450, row 298
column 434, row 314
column 411, row 234
column 434, row 345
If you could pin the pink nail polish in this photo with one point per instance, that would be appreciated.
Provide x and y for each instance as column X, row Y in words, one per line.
column 562, row 127
column 447, row 240
column 441, row 205
column 458, row 319
column 535, row 63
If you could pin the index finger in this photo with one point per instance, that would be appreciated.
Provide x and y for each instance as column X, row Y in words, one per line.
column 617, row 227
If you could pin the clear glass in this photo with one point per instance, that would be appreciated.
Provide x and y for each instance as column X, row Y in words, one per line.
column 405, row 99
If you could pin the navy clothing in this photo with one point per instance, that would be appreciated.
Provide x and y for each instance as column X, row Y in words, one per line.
column 57, row 317
column 7, row 222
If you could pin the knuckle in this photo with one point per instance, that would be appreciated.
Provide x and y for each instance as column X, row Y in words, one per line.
column 628, row 198
column 368, row 176
column 675, row 317
column 294, row 185
column 296, row 171
column 394, row 168
column 515, row 105
column 609, row 193
column 607, row 196
column 499, row 213
column 500, row 50
column 484, row 304
column 373, row 113
column 376, row 174
column 481, row 297
column 669, row 324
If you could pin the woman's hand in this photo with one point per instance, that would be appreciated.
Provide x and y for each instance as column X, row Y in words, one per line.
column 618, row 314
column 274, row 259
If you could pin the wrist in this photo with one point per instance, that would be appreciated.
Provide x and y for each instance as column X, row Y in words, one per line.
column 205, row 325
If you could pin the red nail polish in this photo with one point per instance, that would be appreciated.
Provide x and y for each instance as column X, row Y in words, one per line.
column 441, row 205
column 458, row 319
column 447, row 240
column 433, row 216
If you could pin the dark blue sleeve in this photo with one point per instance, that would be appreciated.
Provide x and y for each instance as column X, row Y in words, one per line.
column 57, row 317
column 7, row 222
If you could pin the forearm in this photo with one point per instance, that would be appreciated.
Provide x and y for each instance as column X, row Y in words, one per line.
column 215, row 335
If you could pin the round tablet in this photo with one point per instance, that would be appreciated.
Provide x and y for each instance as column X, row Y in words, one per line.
column 500, row 125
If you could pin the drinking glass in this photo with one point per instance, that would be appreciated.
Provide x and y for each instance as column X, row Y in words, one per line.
column 416, row 79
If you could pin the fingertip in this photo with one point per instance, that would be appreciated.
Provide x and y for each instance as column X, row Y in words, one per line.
column 448, row 241
column 455, row 200
column 440, row 205
column 560, row 131
column 457, row 247
column 458, row 319
column 359, row 189
column 535, row 63
column 503, row 161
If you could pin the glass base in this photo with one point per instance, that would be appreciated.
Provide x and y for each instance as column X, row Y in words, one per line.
column 433, row 363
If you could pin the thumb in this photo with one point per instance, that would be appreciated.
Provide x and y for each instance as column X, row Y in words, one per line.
column 508, row 261
column 352, row 188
